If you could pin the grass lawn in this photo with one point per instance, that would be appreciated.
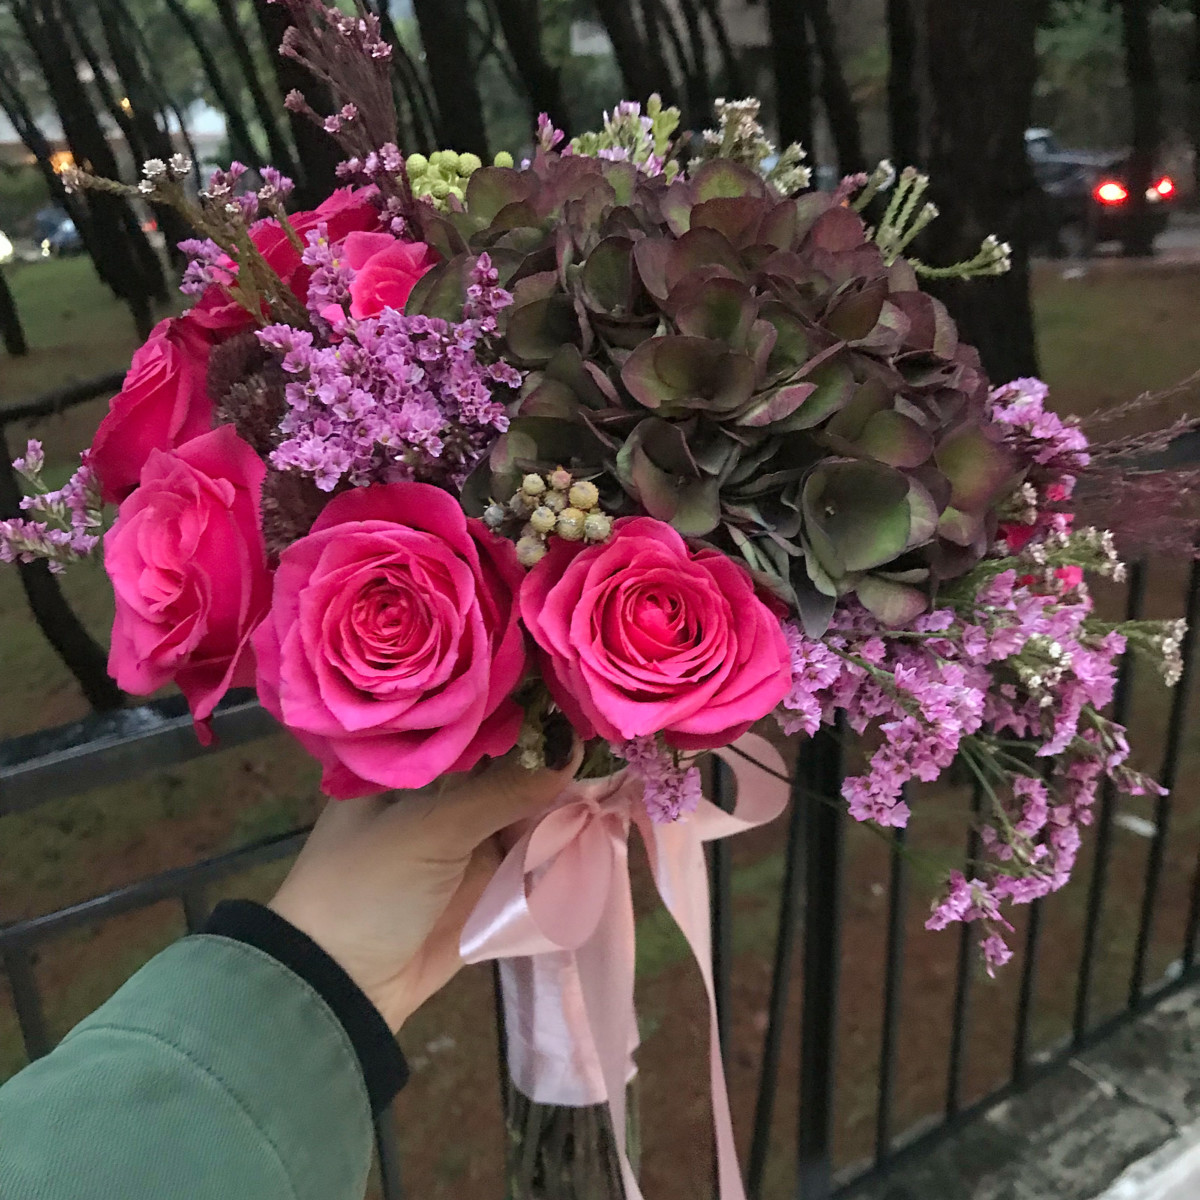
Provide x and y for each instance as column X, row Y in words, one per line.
column 1102, row 339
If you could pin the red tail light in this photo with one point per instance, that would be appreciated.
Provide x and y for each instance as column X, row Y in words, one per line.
column 1111, row 192
column 1165, row 186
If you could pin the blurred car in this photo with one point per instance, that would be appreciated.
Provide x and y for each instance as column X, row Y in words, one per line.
column 6, row 248
column 63, row 241
column 1085, row 199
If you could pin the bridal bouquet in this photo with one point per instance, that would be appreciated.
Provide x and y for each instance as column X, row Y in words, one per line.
column 633, row 430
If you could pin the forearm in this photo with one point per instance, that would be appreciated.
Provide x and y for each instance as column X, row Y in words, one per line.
column 217, row 1071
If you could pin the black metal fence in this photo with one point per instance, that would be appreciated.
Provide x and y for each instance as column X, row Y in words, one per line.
column 43, row 767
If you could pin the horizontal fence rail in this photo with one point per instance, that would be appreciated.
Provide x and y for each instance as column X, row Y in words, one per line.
column 43, row 767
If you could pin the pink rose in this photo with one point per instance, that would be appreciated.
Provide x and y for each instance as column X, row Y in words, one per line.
column 645, row 634
column 188, row 567
column 163, row 403
column 393, row 640
column 385, row 271
column 345, row 211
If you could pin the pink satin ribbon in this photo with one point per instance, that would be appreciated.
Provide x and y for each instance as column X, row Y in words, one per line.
column 561, row 904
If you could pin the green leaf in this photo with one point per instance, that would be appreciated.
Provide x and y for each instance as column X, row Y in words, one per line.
column 682, row 374
column 979, row 469
column 538, row 329
column 856, row 514
column 492, row 188
column 834, row 386
column 650, row 257
column 895, row 604
column 441, row 292
column 721, row 309
column 776, row 405
column 853, row 315
column 607, row 276
column 895, row 440
column 702, row 250
column 837, row 229
column 723, row 178
column 738, row 218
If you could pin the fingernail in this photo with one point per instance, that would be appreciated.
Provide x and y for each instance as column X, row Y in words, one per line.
column 559, row 741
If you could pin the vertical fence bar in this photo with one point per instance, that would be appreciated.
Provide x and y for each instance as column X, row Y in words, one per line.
column 1033, row 940
column 962, row 976
column 781, row 971
column 824, row 833
column 195, row 909
column 893, row 978
column 1104, row 823
column 27, row 1000
column 1167, row 777
column 388, row 1150
column 722, row 915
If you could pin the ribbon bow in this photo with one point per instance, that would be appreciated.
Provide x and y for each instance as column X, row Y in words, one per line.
column 561, row 905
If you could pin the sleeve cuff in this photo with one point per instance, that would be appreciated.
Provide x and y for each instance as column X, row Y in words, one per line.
column 383, row 1067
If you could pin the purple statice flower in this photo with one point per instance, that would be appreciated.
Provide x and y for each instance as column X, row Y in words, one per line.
column 547, row 136
column 276, row 186
column 329, row 285
column 391, row 396
column 671, row 789
column 63, row 526
column 208, row 264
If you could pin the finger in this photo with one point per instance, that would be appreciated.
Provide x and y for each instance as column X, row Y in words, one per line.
column 503, row 793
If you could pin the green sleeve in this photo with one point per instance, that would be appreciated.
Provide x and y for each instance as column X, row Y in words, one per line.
column 215, row 1072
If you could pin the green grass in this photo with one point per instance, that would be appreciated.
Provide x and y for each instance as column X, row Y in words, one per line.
column 74, row 326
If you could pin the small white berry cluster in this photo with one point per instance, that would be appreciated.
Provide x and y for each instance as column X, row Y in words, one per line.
column 555, row 504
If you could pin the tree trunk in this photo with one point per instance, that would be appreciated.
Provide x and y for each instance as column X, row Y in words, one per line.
column 903, row 92
column 21, row 119
column 699, row 97
column 1145, row 104
column 129, row 263
column 729, row 60
column 520, row 22
column 629, row 48
column 241, row 142
column 268, row 115
column 80, row 653
column 658, row 28
column 152, row 139
column 409, row 86
column 982, row 69
column 444, row 25
column 12, row 332
column 317, row 153
column 791, row 64
column 840, row 108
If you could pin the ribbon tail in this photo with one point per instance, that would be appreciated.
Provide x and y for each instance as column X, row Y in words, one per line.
column 681, row 875
column 606, row 971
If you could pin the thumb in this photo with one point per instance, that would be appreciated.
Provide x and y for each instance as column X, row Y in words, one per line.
column 506, row 792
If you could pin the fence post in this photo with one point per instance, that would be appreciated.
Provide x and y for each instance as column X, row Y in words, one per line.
column 820, row 763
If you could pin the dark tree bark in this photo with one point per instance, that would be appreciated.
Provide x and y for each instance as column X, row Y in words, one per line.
column 443, row 25
column 268, row 115
column 153, row 140
column 734, row 85
column 839, row 104
column 520, row 22
column 128, row 263
column 634, row 60
column 240, row 140
column 80, row 653
column 317, row 153
column 1145, row 104
column 657, row 28
column 12, row 332
column 12, row 102
column 412, row 94
column 903, row 92
column 982, row 69
column 791, row 66
column 699, row 96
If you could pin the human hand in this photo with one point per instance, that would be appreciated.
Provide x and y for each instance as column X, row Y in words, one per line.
column 384, row 886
